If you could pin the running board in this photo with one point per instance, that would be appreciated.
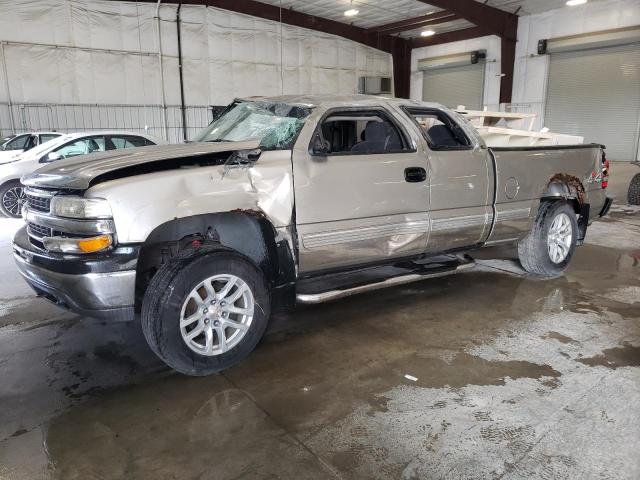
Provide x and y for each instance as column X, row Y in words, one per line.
column 320, row 297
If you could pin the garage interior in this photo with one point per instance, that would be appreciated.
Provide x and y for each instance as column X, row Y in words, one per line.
column 491, row 373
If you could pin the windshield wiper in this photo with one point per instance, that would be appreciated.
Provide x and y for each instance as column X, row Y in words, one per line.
column 220, row 140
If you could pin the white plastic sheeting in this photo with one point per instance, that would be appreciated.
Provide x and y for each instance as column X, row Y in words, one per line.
column 106, row 52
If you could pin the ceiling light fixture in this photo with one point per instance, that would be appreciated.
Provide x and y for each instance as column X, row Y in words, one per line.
column 573, row 3
column 352, row 12
column 427, row 33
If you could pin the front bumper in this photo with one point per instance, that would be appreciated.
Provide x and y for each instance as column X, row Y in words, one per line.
column 98, row 285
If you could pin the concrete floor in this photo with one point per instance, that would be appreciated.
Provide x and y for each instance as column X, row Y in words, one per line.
column 515, row 378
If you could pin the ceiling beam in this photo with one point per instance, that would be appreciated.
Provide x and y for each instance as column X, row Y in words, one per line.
column 494, row 20
column 448, row 37
column 426, row 23
column 411, row 23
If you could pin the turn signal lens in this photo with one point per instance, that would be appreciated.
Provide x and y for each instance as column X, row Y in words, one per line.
column 94, row 244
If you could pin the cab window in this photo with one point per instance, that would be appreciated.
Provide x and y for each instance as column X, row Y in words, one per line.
column 440, row 131
column 82, row 146
column 353, row 132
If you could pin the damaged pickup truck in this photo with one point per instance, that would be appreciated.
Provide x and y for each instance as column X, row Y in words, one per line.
column 292, row 200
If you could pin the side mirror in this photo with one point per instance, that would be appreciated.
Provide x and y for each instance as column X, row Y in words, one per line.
column 319, row 146
column 50, row 157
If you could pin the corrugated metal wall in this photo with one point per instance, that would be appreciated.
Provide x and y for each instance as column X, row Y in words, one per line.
column 80, row 117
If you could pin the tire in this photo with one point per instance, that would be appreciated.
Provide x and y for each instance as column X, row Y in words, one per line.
column 535, row 252
column 166, row 302
column 11, row 199
column 633, row 197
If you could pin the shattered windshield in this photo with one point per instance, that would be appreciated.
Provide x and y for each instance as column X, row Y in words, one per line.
column 276, row 125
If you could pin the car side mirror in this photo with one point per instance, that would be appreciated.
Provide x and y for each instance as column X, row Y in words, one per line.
column 50, row 157
column 319, row 146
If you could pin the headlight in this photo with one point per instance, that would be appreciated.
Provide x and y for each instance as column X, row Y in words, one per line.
column 77, row 207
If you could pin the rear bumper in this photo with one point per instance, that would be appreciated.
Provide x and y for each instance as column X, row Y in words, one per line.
column 607, row 205
column 103, row 289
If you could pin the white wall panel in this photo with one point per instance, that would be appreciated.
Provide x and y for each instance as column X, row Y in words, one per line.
column 225, row 54
column 531, row 69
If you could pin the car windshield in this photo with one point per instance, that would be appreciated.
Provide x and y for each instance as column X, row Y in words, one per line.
column 276, row 125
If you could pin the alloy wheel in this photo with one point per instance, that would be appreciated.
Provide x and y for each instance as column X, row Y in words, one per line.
column 13, row 200
column 217, row 314
column 559, row 238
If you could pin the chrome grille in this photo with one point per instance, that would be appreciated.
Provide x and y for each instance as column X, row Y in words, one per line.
column 39, row 231
column 38, row 203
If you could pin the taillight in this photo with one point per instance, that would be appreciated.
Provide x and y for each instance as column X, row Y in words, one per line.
column 605, row 171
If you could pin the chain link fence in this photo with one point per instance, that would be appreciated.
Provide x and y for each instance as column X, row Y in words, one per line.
column 69, row 118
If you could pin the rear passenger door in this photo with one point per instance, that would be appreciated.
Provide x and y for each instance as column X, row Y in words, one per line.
column 360, row 189
column 460, row 180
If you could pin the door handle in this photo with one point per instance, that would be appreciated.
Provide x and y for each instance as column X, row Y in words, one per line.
column 415, row 174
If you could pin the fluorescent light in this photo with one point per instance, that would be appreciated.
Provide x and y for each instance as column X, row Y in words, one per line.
column 573, row 3
column 352, row 12
column 427, row 33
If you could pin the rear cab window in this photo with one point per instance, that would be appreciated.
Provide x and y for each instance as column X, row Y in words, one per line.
column 361, row 131
column 439, row 130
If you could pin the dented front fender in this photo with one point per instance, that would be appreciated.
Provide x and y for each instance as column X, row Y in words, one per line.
column 141, row 203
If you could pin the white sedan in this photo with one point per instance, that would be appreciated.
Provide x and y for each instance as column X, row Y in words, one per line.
column 23, row 142
column 64, row 146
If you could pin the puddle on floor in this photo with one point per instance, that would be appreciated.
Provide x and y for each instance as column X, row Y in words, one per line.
column 625, row 356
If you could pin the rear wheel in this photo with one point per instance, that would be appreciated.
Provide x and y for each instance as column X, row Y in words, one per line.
column 633, row 197
column 12, row 197
column 548, row 248
column 206, row 313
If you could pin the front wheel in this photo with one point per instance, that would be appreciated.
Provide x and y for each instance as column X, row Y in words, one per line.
column 203, row 314
column 12, row 197
column 548, row 248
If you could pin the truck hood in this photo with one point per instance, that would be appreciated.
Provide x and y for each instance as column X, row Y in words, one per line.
column 77, row 173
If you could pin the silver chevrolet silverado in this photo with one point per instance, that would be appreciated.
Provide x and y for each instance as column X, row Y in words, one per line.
column 292, row 200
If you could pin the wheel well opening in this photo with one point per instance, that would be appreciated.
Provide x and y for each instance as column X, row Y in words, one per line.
column 566, row 187
column 253, row 237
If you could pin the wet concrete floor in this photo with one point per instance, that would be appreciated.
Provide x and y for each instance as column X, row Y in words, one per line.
column 487, row 374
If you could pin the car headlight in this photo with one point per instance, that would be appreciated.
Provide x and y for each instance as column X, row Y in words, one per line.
column 78, row 207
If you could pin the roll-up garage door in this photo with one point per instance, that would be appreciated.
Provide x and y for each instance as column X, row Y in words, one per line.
column 453, row 86
column 596, row 94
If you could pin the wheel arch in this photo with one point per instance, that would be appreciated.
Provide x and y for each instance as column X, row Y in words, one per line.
column 563, row 186
column 6, row 181
column 247, row 233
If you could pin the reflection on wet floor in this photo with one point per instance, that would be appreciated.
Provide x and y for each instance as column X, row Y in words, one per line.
column 483, row 374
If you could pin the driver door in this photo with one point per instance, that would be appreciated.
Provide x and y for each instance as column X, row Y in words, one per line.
column 364, row 197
